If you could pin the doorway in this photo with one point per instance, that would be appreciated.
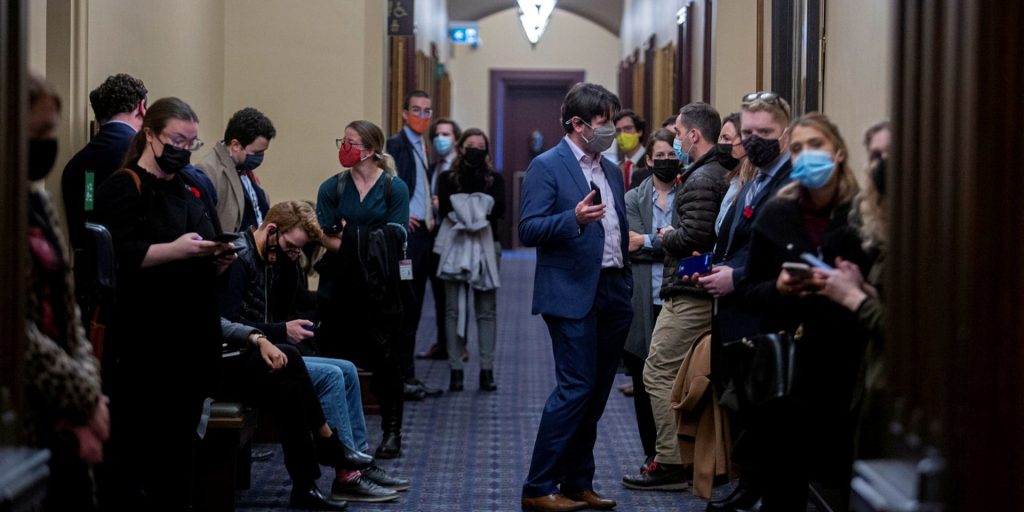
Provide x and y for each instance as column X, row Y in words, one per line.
column 525, row 112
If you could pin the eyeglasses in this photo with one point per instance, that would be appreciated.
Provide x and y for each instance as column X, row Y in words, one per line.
column 769, row 97
column 192, row 145
column 341, row 142
column 290, row 248
column 424, row 112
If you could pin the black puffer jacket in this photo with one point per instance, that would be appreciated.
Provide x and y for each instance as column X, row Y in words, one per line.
column 697, row 204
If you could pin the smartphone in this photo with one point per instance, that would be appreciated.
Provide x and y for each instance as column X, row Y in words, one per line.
column 333, row 229
column 700, row 264
column 815, row 261
column 597, row 195
column 226, row 237
column 797, row 269
column 236, row 249
column 310, row 328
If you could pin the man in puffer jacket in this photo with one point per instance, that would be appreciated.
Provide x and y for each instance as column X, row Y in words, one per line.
column 686, row 311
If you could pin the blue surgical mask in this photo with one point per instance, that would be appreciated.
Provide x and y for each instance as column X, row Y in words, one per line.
column 813, row 168
column 683, row 156
column 442, row 144
column 252, row 162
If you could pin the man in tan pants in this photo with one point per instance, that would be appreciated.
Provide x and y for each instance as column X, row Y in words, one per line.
column 686, row 311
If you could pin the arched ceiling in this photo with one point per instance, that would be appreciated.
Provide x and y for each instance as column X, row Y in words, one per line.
column 606, row 13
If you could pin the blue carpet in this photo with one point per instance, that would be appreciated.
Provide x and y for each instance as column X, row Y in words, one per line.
column 470, row 451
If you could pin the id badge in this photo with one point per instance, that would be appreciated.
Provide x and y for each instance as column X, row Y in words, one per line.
column 405, row 270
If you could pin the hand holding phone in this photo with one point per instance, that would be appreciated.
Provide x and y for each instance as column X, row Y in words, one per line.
column 797, row 269
column 597, row 193
column 700, row 264
column 816, row 262
column 226, row 238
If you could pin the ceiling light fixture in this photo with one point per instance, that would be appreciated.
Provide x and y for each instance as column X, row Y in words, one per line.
column 534, row 14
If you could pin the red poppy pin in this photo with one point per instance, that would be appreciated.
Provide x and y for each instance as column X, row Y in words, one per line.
column 195, row 191
column 748, row 212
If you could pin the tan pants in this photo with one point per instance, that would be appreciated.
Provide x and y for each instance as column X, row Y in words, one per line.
column 682, row 321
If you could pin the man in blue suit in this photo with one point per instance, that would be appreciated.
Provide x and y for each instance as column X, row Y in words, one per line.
column 119, row 104
column 573, row 212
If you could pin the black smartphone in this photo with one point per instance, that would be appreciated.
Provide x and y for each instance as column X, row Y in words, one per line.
column 700, row 264
column 333, row 229
column 226, row 237
column 597, row 194
column 236, row 249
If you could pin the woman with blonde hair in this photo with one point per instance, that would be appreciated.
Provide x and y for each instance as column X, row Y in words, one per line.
column 809, row 434
column 363, row 211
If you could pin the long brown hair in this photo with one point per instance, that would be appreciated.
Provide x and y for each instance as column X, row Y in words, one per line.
column 459, row 169
column 373, row 139
column 848, row 187
column 157, row 116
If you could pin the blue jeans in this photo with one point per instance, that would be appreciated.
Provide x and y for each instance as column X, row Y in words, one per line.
column 337, row 386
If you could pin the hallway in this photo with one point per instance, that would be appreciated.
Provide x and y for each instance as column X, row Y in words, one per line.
column 479, row 465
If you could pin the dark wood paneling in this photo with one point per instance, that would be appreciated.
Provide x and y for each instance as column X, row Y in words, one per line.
column 782, row 47
column 955, row 351
column 649, row 52
column 13, row 196
column 684, row 84
column 708, row 38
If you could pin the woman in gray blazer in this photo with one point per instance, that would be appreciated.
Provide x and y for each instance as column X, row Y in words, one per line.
column 648, row 210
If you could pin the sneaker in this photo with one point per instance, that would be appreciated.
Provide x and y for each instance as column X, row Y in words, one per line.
column 363, row 490
column 660, row 477
column 377, row 475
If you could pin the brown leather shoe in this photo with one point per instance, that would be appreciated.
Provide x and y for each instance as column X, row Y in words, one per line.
column 594, row 500
column 552, row 503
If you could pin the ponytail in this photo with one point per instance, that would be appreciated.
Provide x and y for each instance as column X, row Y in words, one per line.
column 386, row 162
column 157, row 116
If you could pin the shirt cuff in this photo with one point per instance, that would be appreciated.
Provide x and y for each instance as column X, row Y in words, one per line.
column 647, row 242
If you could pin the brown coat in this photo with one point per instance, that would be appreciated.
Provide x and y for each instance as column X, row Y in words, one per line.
column 704, row 438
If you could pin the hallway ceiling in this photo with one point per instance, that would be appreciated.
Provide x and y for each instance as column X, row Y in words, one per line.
column 606, row 13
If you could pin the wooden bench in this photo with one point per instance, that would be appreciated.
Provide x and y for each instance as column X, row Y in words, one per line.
column 225, row 456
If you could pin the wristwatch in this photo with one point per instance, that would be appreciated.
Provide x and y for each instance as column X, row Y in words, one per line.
column 254, row 338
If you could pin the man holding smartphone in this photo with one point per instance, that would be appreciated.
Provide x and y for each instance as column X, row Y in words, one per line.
column 686, row 309
column 582, row 288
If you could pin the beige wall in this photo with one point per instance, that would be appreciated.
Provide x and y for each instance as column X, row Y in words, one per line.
column 311, row 71
column 734, row 62
column 37, row 36
column 858, row 64
column 569, row 43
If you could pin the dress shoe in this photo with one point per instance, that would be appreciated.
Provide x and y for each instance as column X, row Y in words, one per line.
column 756, row 507
column 593, row 500
column 627, row 389
column 552, row 503
column 390, row 446
column 742, row 497
column 660, row 477
column 332, row 452
column 412, row 393
column 261, row 454
column 380, row 477
column 487, row 381
column 363, row 490
column 425, row 389
column 312, row 498
column 455, row 381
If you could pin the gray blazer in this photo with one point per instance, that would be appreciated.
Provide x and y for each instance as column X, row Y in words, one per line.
column 640, row 217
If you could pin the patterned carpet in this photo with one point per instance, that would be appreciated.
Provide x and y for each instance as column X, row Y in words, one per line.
column 470, row 451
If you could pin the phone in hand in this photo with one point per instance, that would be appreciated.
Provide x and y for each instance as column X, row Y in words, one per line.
column 333, row 229
column 310, row 328
column 797, row 269
column 816, row 262
column 597, row 193
column 700, row 264
column 225, row 238
column 235, row 250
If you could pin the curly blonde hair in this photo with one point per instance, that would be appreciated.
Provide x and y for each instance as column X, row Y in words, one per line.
column 289, row 215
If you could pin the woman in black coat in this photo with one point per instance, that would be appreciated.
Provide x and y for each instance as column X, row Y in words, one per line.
column 166, row 334
column 809, row 434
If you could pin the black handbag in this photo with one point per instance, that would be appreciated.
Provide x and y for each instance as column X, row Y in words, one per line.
column 762, row 366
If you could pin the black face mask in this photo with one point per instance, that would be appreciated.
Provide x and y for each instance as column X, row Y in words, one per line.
column 878, row 176
column 665, row 169
column 173, row 159
column 274, row 252
column 475, row 157
column 42, row 153
column 725, row 157
column 761, row 152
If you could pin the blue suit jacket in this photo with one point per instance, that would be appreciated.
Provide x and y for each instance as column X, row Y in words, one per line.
column 103, row 155
column 568, row 257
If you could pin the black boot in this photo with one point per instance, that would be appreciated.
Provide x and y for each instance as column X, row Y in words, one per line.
column 487, row 381
column 332, row 452
column 391, row 421
column 455, row 381
column 742, row 497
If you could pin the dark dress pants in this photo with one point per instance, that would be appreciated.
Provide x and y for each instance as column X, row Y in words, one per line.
column 586, row 354
column 642, row 400
column 290, row 398
column 421, row 246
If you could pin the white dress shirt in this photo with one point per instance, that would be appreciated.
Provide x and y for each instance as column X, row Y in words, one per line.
column 593, row 173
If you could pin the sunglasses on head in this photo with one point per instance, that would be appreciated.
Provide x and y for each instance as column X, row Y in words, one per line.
column 769, row 97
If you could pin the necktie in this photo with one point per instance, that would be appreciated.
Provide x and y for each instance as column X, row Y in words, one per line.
column 755, row 188
column 427, row 195
column 628, row 172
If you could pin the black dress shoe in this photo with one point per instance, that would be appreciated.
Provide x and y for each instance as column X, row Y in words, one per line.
column 380, row 477
column 487, row 381
column 362, row 490
column 742, row 497
column 261, row 454
column 455, row 381
column 312, row 498
column 390, row 446
column 332, row 452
